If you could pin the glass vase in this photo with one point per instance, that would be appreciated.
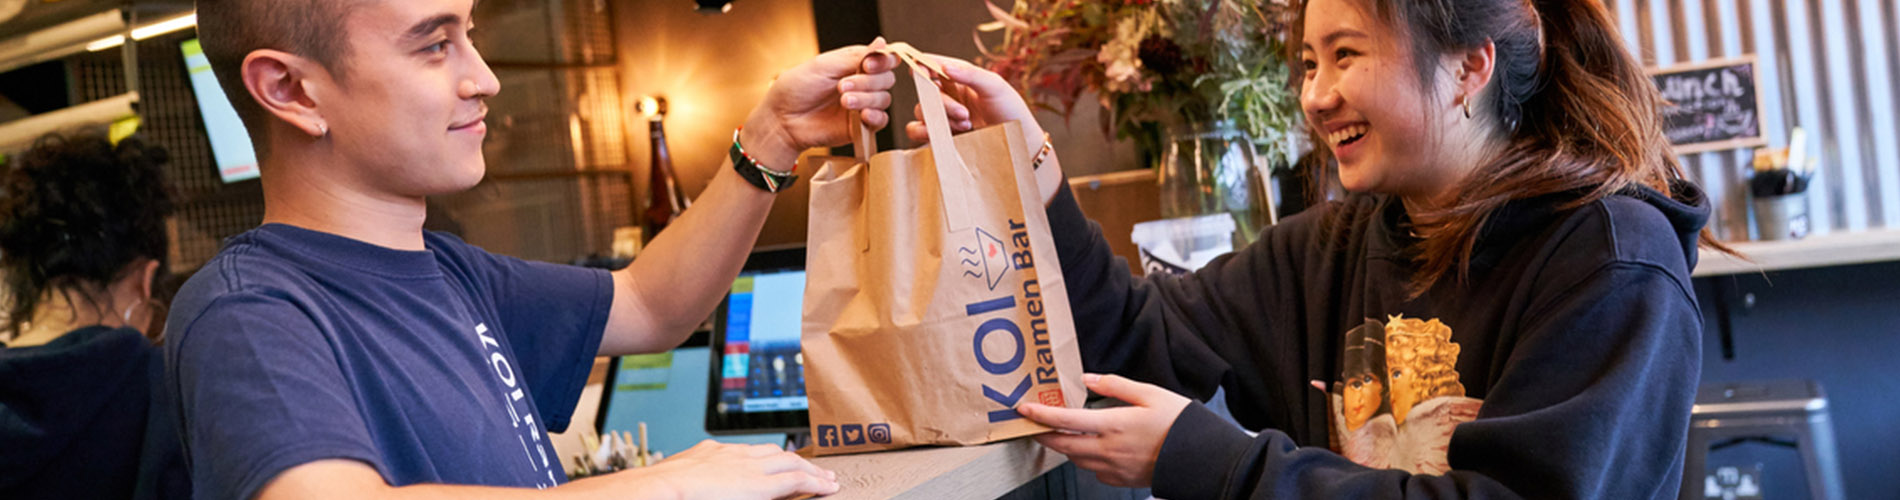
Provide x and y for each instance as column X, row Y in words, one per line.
column 1209, row 168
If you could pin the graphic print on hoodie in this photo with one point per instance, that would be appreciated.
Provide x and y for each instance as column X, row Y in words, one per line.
column 1398, row 397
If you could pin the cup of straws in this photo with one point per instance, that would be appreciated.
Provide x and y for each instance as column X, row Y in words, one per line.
column 1779, row 189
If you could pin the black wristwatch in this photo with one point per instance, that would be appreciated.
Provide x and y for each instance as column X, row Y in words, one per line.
column 772, row 181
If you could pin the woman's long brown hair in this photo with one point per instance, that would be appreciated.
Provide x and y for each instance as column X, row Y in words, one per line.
column 1579, row 112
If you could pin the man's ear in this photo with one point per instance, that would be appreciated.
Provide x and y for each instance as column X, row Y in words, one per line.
column 280, row 82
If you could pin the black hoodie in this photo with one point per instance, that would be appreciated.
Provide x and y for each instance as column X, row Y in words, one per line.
column 78, row 420
column 1564, row 368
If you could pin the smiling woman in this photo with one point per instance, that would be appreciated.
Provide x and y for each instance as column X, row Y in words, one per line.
column 1501, row 309
column 1498, row 109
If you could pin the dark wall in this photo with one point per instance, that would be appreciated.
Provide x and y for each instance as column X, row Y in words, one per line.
column 842, row 23
column 1839, row 326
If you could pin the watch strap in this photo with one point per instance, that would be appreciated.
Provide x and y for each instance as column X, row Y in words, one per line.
column 772, row 181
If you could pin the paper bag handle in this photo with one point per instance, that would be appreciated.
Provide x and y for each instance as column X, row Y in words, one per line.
column 953, row 175
column 863, row 139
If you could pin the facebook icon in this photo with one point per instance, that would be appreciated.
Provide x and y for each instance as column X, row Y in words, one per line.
column 827, row 436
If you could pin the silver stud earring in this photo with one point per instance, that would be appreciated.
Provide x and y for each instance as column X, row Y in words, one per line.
column 324, row 130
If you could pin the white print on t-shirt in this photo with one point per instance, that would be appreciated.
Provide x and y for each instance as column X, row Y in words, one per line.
column 522, row 418
column 1398, row 397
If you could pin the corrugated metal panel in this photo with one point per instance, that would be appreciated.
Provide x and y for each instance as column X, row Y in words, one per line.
column 1881, row 102
column 1828, row 66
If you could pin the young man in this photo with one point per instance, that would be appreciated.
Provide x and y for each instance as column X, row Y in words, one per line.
column 339, row 351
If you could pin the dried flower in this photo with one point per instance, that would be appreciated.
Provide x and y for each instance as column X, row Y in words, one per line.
column 1120, row 59
column 1152, row 60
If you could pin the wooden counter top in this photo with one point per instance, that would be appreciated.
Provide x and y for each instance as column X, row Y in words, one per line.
column 961, row 473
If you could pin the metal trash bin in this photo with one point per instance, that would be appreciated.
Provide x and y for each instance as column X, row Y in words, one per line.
column 1782, row 408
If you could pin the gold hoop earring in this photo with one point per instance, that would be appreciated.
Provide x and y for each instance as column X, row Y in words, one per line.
column 1467, row 108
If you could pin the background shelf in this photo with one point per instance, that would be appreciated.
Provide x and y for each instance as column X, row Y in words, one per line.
column 1837, row 249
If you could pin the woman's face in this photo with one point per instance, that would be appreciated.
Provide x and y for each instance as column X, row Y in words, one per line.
column 1362, row 95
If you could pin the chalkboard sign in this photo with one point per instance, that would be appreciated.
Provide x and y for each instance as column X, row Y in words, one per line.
column 1711, row 105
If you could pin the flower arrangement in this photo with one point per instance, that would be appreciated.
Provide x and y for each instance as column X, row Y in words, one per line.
column 1153, row 62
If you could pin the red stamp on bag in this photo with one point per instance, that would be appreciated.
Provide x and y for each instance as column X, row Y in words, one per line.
column 1051, row 397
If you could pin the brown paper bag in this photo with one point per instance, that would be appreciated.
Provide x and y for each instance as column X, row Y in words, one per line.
column 933, row 300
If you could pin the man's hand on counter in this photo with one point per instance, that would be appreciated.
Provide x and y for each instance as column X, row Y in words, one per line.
column 715, row 471
column 709, row 470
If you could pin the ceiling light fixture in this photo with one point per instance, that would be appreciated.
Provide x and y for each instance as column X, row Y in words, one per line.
column 146, row 31
column 710, row 7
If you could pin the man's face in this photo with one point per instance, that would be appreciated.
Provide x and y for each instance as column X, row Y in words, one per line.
column 407, row 107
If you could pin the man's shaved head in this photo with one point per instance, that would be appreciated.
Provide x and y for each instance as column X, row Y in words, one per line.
column 229, row 30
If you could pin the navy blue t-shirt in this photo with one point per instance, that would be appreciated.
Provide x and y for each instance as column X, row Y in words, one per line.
column 447, row 365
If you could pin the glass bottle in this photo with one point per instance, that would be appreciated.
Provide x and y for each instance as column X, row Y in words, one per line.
column 665, row 201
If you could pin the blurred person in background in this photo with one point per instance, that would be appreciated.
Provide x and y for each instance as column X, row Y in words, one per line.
column 82, row 239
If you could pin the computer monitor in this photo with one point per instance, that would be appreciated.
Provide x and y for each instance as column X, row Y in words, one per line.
column 230, row 145
column 681, row 395
column 666, row 391
column 757, row 377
